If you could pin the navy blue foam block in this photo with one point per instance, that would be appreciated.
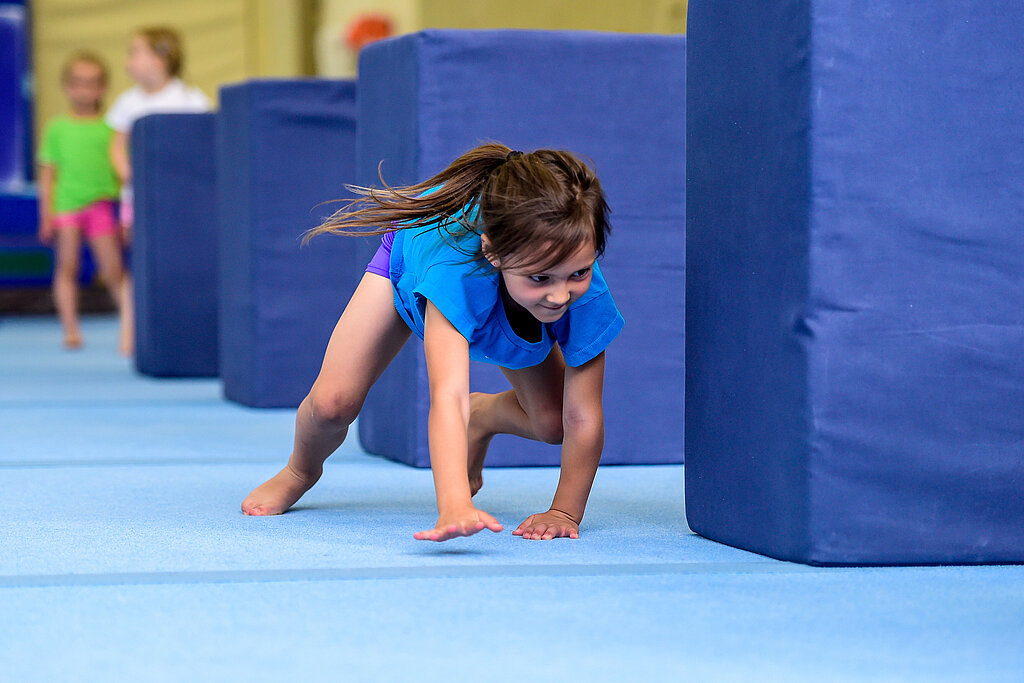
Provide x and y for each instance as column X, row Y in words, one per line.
column 283, row 148
column 15, row 111
column 855, row 280
column 174, row 254
column 615, row 99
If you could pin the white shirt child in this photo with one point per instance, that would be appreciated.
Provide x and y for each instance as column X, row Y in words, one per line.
column 133, row 104
column 175, row 97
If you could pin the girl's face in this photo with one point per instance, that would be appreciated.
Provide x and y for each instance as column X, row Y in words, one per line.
column 547, row 294
column 85, row 87
column 145, row 67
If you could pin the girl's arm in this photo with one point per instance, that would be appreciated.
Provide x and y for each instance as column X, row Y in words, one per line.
column 119, row 156
column 582, row 442
column 44, row 183
column 447, row 353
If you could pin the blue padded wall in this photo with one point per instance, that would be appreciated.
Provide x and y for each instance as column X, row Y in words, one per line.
column 855, row 280
column 283, row 148
column 15, row 123
column 174, row 253
column 615, row 99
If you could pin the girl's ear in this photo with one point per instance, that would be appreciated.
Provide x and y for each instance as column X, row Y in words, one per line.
column 485, row 247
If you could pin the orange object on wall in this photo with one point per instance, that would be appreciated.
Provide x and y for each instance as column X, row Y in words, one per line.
column 366, row 28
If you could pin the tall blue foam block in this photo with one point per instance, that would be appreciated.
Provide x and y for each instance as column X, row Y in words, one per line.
column 283, row 148
column 615, row 99
column 15, row 115
column 174, row 254
column 855, row 280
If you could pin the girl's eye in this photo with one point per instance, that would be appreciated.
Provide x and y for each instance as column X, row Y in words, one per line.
column 581, row 273
column 538, row 278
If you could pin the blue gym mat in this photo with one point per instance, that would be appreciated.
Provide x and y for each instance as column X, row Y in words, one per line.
column 124, row 557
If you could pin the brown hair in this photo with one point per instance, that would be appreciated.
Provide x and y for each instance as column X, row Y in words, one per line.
column 166, row 44
column 86, row 57
column 537, row 209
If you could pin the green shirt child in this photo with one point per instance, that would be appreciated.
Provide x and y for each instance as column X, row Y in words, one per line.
column 79, row 150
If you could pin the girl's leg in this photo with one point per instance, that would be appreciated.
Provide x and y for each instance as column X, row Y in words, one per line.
column 106, row 249
column 65, row 283
column 366, row 339
column 126, row 328
column 532, row 409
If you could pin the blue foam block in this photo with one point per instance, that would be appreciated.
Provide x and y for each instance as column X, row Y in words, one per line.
column 615, row 99
column 855, row 280
column 283, row 148
column 15, row 111
column 174, row 254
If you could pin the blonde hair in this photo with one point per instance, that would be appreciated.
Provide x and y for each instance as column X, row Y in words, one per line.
column 537, row 208
column 83, row 56
column 165, row 44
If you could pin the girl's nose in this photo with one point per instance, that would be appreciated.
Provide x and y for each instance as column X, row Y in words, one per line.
column 559, row 295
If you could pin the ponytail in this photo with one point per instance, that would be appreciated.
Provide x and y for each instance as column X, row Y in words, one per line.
column 443, row 196
column 537, row 209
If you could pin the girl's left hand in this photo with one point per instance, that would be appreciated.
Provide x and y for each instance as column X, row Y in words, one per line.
column 547, row 525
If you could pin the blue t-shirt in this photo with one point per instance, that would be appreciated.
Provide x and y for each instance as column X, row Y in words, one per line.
column 432, row 264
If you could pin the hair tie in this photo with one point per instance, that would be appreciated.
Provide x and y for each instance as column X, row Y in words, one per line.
column 514, row 154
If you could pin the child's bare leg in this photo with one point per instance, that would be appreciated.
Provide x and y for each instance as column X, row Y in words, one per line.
column 65, row 284
column 316, row 437
column 126, row 305
column 540, row 388
column 366, row 339
column 479, row 435
column 491, row 414
column 107, row 251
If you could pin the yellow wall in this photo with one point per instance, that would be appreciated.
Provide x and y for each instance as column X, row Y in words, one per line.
column 231, row 40
column 224, row 40
column 280, row 37
column 628, row 16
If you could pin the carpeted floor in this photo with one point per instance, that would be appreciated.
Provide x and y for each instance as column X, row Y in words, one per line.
column 124, row 557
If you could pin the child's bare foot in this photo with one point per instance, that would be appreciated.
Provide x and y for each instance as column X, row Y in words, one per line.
column 72, row 342
column 278, row 493
column 478, row 442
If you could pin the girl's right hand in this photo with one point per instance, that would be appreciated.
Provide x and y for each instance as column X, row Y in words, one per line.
column 464, row 522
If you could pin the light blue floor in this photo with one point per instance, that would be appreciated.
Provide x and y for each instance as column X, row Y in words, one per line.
column 124, row 557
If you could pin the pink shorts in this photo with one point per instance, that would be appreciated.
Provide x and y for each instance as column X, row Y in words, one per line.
column 94, row 220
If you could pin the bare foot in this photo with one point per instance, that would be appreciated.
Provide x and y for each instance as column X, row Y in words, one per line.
column 278, row 493
column 478, row 442
column 72, row 342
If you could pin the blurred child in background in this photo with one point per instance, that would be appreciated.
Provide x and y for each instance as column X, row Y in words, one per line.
column 155, row 61
column 78, row 189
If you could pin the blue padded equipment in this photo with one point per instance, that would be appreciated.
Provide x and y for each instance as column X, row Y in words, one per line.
column 616, row 99
column 15, row 112
column 283, row 148
column 174, row 250
column 855, row 280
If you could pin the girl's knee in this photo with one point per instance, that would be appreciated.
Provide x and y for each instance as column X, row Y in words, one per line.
column 66, row 269
column 336, row 408
column 547, row 426
column 112, row 278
